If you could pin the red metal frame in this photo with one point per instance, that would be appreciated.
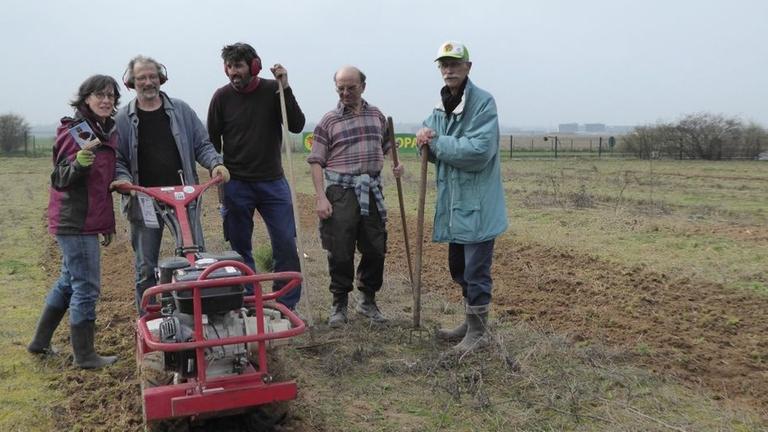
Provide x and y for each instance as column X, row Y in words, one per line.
column 204, row 395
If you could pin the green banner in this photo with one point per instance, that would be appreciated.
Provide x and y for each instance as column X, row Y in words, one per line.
column 405, row 142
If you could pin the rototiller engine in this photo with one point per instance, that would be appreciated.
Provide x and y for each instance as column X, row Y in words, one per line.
column 202, row 348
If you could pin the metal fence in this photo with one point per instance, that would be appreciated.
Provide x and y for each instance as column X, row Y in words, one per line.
column 34, row 146
column 552, row 146
column 562, row 146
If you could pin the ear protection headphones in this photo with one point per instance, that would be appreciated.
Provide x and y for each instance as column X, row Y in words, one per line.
column 255, row 67
column 130, row 81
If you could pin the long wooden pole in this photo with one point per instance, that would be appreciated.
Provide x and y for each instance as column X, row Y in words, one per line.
column 419, row 240
column 396, row 162
column 288, row 152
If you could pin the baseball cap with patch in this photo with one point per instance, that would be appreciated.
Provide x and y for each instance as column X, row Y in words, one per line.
column 453, row 49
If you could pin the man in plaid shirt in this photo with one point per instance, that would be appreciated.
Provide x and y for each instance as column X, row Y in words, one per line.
column 348, row 151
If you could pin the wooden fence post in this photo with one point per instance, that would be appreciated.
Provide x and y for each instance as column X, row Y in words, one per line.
column 600, row 148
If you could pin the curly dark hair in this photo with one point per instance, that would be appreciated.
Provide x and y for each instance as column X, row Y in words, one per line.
column 238, row 51
column 93, row 84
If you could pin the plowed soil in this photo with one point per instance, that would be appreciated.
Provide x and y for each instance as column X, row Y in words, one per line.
column 692, row 330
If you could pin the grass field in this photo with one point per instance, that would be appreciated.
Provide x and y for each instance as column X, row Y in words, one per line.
column 701, row 219
column 572, row 221
column 26, row 396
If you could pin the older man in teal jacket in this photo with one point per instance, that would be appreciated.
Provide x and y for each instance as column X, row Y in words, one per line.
column 462, row 137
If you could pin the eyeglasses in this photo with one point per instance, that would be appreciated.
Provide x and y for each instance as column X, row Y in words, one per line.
column 349, row 89
column 149, row 77
column 103, row 95
column 453, row 64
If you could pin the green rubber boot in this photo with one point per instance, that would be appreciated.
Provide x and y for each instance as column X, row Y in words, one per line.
column 455, row 334
column 475, row 338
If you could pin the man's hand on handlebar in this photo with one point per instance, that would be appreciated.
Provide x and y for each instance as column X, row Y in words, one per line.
column 222, row 171
column 116, row 186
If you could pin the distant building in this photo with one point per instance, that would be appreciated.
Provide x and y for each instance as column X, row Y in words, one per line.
column 594, row 127
column 619, row 130
column 568, row 128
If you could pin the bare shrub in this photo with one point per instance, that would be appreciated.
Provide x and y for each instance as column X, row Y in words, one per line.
column 13, row 132
column 582, row 199
column 697, row 136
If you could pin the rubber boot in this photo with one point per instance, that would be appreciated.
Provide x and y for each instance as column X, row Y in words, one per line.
column 49, row 320
column 367, row 307
column 454, row 334
column 82, row 346
column 477, row 318
column 338, row 311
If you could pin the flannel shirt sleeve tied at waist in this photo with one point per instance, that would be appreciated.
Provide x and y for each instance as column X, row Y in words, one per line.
column 363, row 185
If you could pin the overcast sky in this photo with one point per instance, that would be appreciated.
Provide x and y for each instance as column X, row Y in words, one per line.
column 619, row 62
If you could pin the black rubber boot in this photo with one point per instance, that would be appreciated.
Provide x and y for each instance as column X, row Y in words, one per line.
column 368, row 308
column 338, row 311
column 454, row 334
column 477, row 319
column 49, row 320
column 82, row 345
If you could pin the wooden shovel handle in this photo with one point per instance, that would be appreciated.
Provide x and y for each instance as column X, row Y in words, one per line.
column 306, row 291
column 419, row 240
column 395, row 162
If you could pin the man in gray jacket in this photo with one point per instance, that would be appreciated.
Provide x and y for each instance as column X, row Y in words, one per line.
column 160, row 138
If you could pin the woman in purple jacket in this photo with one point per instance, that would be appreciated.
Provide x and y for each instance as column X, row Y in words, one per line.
column 79, row 212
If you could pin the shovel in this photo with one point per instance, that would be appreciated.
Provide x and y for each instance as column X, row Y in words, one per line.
column 419, row 240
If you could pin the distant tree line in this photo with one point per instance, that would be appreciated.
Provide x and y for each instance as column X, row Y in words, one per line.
column 13, row 132
column 698, row 136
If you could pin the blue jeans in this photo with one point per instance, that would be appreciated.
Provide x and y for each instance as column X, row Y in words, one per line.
column 146, row 248
column 272, row 199
column 470, row 267
column 79, row 284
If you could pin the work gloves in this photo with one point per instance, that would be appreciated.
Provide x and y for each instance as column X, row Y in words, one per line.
column 106, row 238
column 85, row 158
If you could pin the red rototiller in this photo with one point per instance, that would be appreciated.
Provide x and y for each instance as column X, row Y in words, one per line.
column 206, row 337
